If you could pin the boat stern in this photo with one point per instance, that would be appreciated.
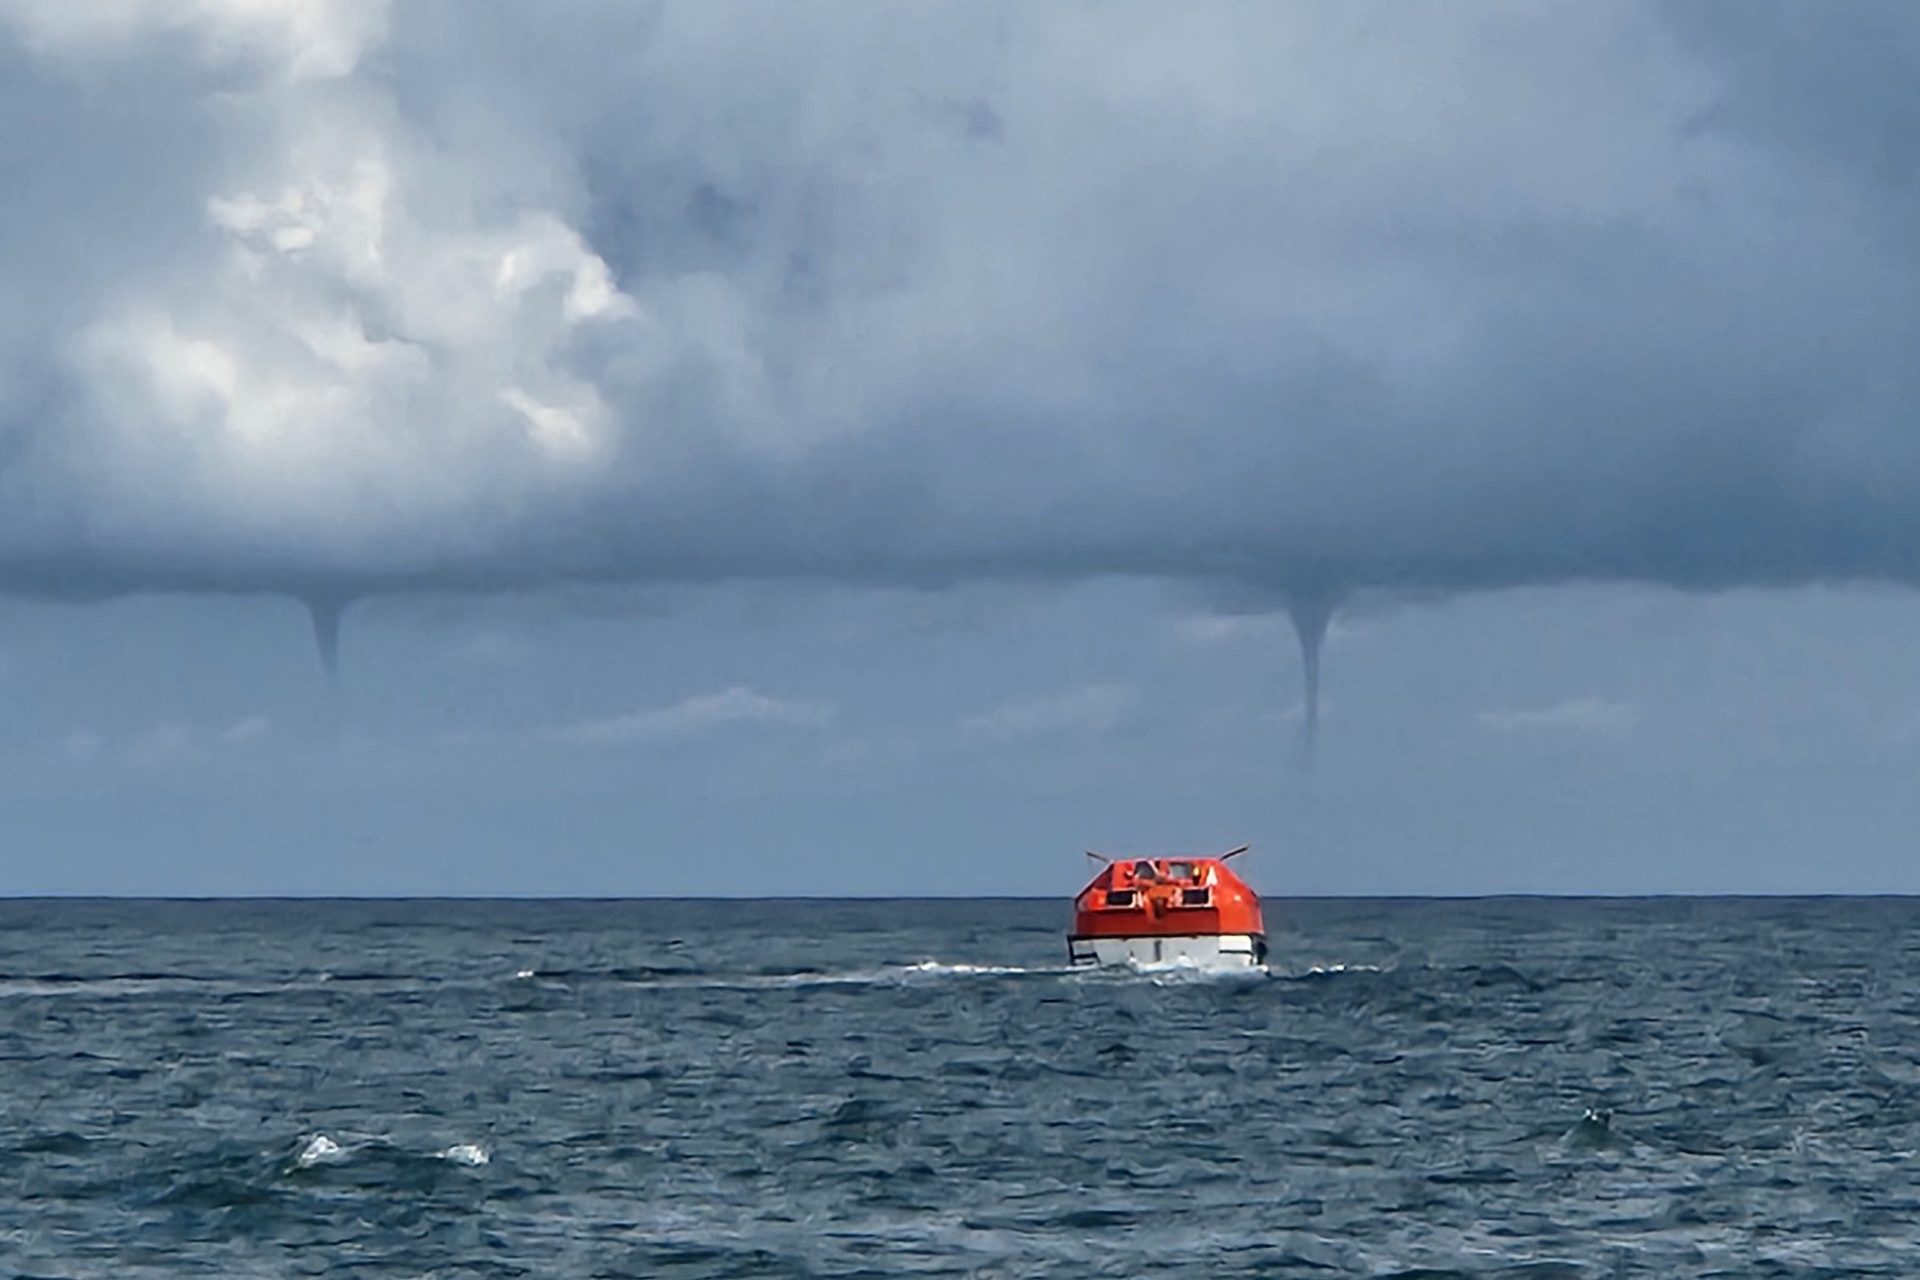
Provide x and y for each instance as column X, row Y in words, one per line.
column 1168, row 911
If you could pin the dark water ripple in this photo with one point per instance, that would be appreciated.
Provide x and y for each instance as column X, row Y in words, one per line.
column 1424, row 1089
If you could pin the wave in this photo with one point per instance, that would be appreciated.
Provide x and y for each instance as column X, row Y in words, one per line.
column 775, row 979
column 530, row 978
column 1167, row 973
column 321, row 1150
column 221, row 984
column 932, row 970
column 1331, row 969
column 983, row 970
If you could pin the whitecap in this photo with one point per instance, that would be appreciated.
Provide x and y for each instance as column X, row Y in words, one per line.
column 884, row 975
column 319, row 1149
column 467, row 1153
column 972, row 970
column 1187, row 973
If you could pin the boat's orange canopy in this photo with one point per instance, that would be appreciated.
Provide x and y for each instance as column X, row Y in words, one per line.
column 1166, row 897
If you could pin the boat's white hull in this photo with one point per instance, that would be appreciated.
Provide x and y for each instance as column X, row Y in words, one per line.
column 1200, row 951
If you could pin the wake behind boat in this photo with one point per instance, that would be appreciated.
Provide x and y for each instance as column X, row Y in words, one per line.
column 1175, row 910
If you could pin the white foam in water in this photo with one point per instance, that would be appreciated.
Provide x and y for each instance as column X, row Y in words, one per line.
column 1180, row 972
column 965, row 970
column 320, row 1149
column 467, row 1153
column 887, row 974
column 1177, row 971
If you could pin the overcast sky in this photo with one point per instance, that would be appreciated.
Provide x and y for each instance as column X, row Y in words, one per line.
column 889, row 448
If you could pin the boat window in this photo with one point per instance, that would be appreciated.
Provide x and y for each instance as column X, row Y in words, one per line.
column 1179, row 871
column 1119, row 897
column 1144, row 871
column 1193, row 897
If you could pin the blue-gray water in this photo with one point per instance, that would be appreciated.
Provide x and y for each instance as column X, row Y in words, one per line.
column 405, row 1089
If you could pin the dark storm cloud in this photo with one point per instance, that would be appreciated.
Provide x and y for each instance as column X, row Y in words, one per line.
column 331, row 299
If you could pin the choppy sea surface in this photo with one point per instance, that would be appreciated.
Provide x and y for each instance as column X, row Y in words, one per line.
column 1516, row 1088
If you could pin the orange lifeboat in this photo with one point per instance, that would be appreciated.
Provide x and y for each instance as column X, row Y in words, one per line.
column 1175, row 910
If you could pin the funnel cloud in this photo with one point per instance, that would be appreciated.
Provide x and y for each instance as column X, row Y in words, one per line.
column 395, row 299
column 324, row 613
column 1311, row 613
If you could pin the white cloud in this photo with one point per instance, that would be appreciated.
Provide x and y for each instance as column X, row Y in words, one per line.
column 1589, row 715
column 494, row 649
column 250, row 729
column 1097, row 708
column 548, row 297
column 554, row 427
column 359, row 338
column 702, row 714
column 167, row 743
column 82, row 743
column 299, row 39
column 1208, row 629
column 163, row 744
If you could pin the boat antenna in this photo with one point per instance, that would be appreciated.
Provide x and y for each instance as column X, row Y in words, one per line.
column 1234, row 853
column 1099, row 857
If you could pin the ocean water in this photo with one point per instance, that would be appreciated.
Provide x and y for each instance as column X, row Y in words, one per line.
column 1513, row 1088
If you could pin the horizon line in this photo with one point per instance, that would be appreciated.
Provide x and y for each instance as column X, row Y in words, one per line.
column 1269, row 899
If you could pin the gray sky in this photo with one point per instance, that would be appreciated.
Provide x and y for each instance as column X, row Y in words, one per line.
column 860, row 448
